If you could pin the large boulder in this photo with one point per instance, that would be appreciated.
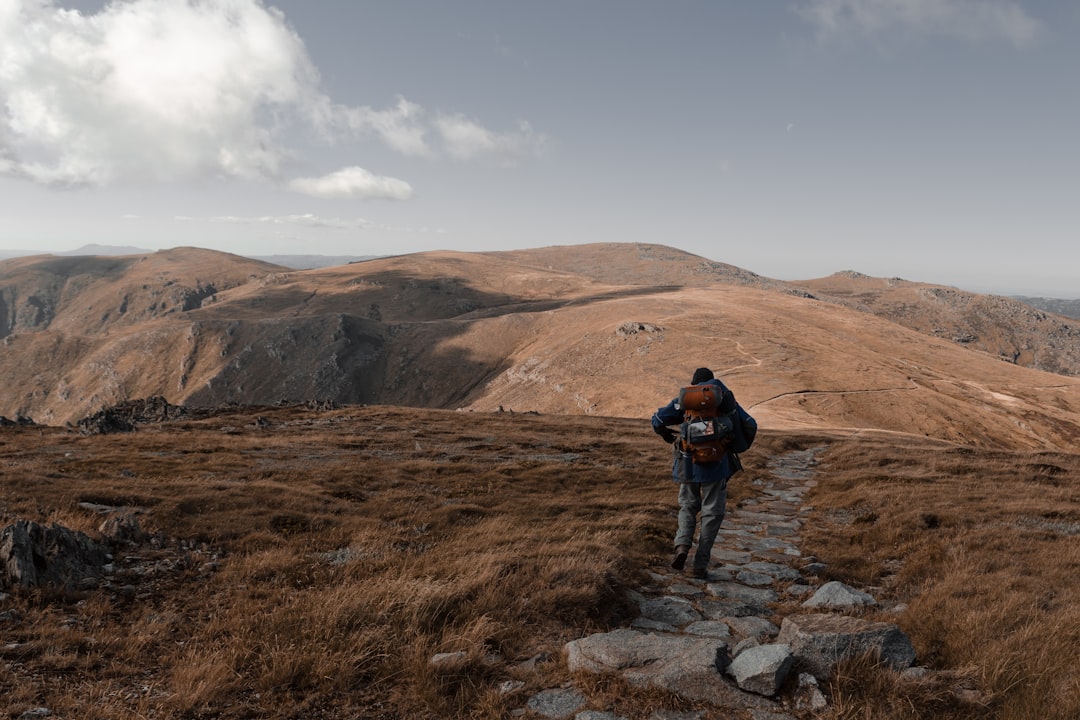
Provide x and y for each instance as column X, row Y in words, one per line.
column 32, row 555
column 819, row 642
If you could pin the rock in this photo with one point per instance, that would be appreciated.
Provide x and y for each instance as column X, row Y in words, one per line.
column 758, row 597
column 556, row 703
column 597, row 715
column 750, row 626
column 123, row 528
column 648, row 624
column 755, row 579
column 767, row 715
column 629, row 649
column 819, row 642
column 687, row 666
column 744, row 645
column 837, row 595
column 776, row 570
column 762, row 669
column 808, row 696
column 33, row 555
column 675, row 611
column 34, row 713
column 799, row 589
column 675, row 715
column 723, row 609
column 708, row 628
column 449, row 660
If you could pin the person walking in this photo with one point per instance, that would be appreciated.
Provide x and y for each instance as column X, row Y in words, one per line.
column 702, row 484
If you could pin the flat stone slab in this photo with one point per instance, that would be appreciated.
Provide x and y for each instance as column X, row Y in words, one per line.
column 685, row 665
column 738, row 591
column 558, row 704
column 675, row 611
column 776, row 570
column 709, row 628
column 751, row 626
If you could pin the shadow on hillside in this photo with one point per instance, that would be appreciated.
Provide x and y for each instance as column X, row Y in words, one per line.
column 395, row 297
column 389, row 338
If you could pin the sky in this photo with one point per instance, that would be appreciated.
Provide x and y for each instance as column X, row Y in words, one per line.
column 932, row 140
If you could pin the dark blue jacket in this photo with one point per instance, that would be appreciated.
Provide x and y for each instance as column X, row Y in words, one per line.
column 671, row 415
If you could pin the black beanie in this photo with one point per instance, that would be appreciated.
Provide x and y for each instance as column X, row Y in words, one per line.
column 701, row 375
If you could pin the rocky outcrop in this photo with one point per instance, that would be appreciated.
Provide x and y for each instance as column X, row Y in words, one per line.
column 33, row 555
column 127, row 416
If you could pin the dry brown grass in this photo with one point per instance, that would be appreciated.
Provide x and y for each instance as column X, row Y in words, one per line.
column 319, row 560
column 984, row 548
column 309, row 564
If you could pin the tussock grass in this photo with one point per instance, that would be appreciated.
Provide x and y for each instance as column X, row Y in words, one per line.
column 311, row 564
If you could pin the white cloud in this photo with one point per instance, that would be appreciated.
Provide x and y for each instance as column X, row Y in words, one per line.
column 162, row 90
column 149, row 89
column 976, row 20
column 353, row 182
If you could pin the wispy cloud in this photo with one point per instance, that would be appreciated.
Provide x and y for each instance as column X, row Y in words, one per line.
column 975, row 20
column 466, row 140
column 161, row 90
column 303, row 220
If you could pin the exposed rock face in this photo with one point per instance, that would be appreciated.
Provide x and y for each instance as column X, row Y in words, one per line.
column 126, row 416
column 33, row 555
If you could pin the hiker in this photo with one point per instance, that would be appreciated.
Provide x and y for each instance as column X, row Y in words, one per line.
column 702, row 473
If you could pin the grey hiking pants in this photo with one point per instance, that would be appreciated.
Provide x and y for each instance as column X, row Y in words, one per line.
column 710, row 500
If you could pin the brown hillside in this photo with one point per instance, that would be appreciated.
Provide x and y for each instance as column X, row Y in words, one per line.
column 1001, row 326
column 608, row 330
column 90, row 295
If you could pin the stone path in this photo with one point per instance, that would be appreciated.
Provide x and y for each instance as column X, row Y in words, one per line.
column 715, row 642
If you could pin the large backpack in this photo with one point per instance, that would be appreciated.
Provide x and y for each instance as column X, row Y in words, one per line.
column 710, row 422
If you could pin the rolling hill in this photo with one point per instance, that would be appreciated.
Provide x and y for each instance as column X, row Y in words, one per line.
column 605, row 329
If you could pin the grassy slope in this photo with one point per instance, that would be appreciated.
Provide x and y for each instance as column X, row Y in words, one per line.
column 309, row 564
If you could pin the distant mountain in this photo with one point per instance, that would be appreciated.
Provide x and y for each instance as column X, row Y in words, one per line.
column 1068, row 308
column 1003, row 327
column 296, row 262
column 607, row 330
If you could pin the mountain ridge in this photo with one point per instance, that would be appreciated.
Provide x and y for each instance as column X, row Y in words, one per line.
column 605, row 329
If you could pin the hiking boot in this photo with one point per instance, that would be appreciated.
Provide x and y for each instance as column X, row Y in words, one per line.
column 701, row 573
column 679, row 560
